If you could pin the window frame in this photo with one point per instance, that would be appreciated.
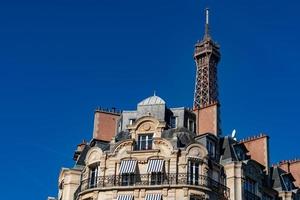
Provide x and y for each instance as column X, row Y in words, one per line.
column 174, row 118
column 93, row 176
column 191, row 127
column 250, row 185
column 127, row 179
column 144, row 143
column 193, row 171
column 211, row 148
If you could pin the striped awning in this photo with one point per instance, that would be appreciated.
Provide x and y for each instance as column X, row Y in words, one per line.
column 127, row 166
column 125, row 197
column 153, row 197
column 155, row 166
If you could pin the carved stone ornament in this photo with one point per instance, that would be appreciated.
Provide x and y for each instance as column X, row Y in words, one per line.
column 162, row 142
column 146, row 127
column 195, row 152
column 142, row 161
column 123, row 144
column 93, row 157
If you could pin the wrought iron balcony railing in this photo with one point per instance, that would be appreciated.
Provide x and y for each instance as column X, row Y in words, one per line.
column 143, row 180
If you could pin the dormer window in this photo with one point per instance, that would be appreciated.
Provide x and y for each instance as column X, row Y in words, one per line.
column 287, row 183
column 211, row 148
column 240, row 154
column 131, row 121
column 144, row 142
column 191, row 125
column 173, row 122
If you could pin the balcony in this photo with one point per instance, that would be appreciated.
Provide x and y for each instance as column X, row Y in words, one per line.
column 146, row 180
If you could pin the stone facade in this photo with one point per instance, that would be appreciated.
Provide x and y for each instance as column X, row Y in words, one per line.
column 176, row 148
column 161, row 153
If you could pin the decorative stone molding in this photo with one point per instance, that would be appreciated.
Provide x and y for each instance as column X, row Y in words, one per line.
column 146, row 124
column 122, row 144
column 143, row 193
column 165, row 192
column 163, row 142
column 196, row 151
column 93, row 156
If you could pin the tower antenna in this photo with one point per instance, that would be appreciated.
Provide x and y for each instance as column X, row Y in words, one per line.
column 206, row 35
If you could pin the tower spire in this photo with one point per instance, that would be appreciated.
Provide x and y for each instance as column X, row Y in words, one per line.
column 206, row 34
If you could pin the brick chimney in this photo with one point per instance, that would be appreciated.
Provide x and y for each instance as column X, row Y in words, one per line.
column 105, row 123
column 258, row 147
column 293, row 167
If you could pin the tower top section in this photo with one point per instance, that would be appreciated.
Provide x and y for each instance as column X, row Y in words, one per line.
column 206, row 56
column 206, row 100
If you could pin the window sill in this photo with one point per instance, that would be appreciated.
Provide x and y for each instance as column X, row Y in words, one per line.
column 144, row 151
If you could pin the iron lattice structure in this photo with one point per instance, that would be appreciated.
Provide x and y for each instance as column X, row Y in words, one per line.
column 207, row 56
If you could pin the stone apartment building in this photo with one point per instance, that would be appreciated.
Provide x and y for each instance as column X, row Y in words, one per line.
column 161, row 153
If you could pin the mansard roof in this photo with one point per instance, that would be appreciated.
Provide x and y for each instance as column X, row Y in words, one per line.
column 123, row 135
column 228, row 149
column 103, row 145
column 180, row 137
column 277, row 175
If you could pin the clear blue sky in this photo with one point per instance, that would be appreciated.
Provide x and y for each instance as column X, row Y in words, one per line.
column 60, row 59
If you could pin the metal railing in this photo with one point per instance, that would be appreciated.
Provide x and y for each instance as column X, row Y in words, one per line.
column 154, row 180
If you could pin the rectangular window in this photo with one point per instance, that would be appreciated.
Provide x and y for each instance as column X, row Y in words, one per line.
column 131, row 121
column 191, row 125
column 127, row 179
column 193, row 172
column 125, row 197
column 144, row 142
column 153, row 196
column 211, row 148
column 93, row 177
column 288, row 183
column 156, row 178
column 250, row 186
column 173, row 122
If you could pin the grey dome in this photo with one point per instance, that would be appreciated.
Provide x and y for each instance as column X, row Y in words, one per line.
column 153, row 100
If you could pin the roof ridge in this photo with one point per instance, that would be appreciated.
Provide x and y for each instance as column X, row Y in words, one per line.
column 255, row 137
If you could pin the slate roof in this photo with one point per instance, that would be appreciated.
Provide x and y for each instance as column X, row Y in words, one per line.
column 277, row 175
column 228, row 148
column 123, row 135
column 179, row 137
column 80, row 161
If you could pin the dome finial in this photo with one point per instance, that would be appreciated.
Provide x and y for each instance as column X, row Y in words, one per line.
column 154, row 93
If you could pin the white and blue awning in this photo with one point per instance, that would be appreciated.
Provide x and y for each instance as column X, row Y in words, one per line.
column 127, row 166
column 155, row 166
column 153, row 197
column 125, row 197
